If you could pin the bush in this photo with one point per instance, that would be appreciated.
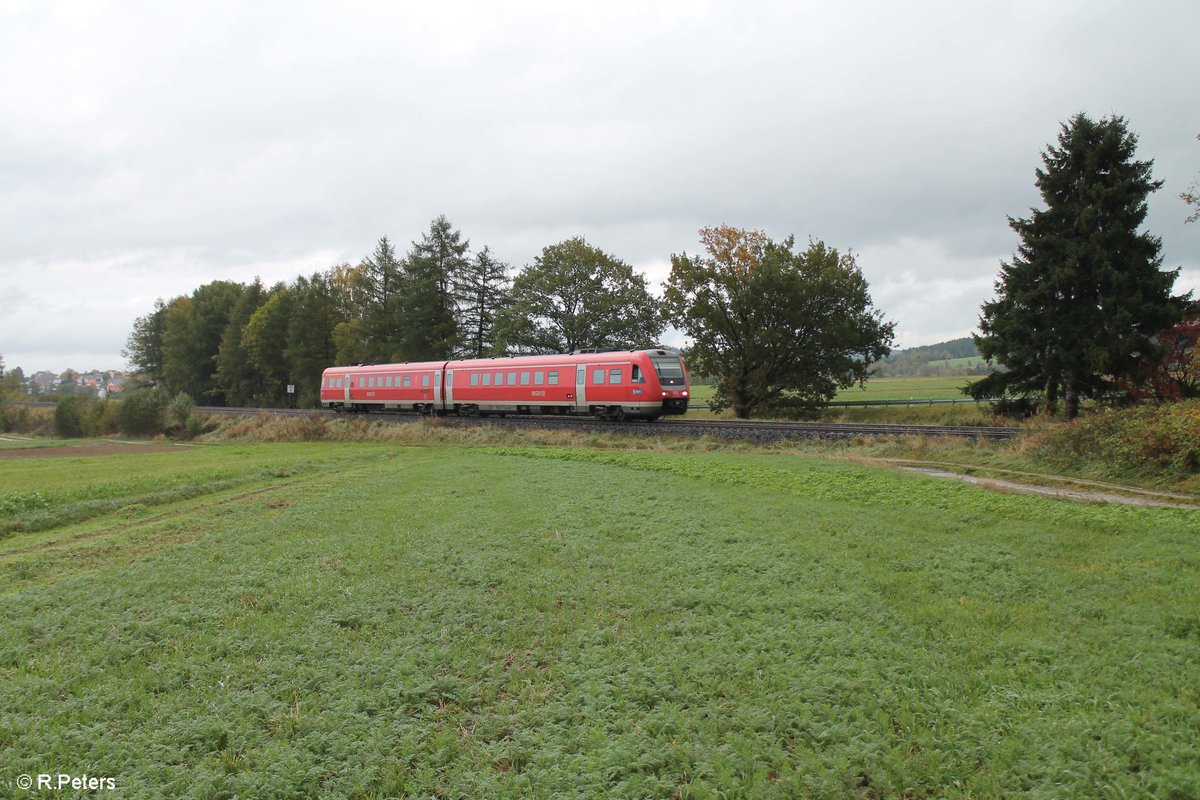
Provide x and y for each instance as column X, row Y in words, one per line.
column 1160, row 438
column 141, row 412
column 81, row 416
column 180, row 409
column 178, row 415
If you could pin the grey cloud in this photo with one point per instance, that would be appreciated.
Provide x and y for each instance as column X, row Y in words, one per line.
column 212, row 139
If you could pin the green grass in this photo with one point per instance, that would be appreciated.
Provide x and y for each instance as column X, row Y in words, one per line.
column 378, row 621
column 938, row 388
column 965, row 361
column 915, row 389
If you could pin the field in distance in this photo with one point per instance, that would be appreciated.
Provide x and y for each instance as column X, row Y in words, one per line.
column 937, row 388
column 359, row 620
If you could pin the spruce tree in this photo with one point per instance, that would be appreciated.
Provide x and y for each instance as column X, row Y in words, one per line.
column 480, row 291
column 1079, row 305
column 379, row 282
column 425, row 314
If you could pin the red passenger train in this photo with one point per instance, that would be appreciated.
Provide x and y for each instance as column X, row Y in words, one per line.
column 614, row 385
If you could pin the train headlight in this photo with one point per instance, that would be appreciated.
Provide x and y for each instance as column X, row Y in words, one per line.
column 685, row 394
column 664, row 394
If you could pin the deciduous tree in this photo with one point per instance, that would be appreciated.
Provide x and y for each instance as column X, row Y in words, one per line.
column 311, row 346
column 265, row 339
column 236, row 376
column 775, row 327
column 144, row 347
column 1192, row 197
column 577, row 296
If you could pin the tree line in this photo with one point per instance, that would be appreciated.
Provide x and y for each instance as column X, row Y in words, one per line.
column 242, row 344
column 776, row 325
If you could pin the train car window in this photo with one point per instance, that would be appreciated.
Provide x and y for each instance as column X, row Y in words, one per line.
column 387, row 382
column 499, row 378
column 539, row 378
column 512, row 379
column 474, row 378
column 614, row 376
column 597, row 376
column 487, row 379
column 524, row 378
column 552, row 378
column 425, row 381
column 636, row 377
column 407, row 381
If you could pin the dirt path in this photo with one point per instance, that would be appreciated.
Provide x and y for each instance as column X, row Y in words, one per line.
column 1077, row 489
column 105, row 449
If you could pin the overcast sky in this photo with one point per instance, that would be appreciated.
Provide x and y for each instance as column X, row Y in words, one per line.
column 149, row 148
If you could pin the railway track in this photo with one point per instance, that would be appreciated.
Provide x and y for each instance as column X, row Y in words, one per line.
column 731, row 430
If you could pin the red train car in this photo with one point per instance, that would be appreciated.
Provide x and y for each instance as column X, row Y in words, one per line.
column 613, row 385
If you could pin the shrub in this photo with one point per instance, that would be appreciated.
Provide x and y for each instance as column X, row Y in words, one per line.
column 1159, row 438
column 179, row 411
column 78, row 416
column 141, row 412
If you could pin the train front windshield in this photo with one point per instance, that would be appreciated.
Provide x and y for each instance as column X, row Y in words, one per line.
column 669, row 369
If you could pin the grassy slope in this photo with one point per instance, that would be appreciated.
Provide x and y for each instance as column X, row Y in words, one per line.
column 370, row 621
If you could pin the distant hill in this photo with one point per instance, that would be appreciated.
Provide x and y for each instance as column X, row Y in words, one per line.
column 955, row 357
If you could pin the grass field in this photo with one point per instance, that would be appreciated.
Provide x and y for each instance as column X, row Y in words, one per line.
column 350, row 620
column 965, row 361
column 938, row 388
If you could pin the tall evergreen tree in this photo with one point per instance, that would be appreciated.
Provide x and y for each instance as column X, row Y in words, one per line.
column 481, row 290
column 377, row 284
column 425, row 316
column 1081, row 301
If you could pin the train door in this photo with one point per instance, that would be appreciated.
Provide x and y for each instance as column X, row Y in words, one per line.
column 448, row 394
column 581, row 388
column 346, row 385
